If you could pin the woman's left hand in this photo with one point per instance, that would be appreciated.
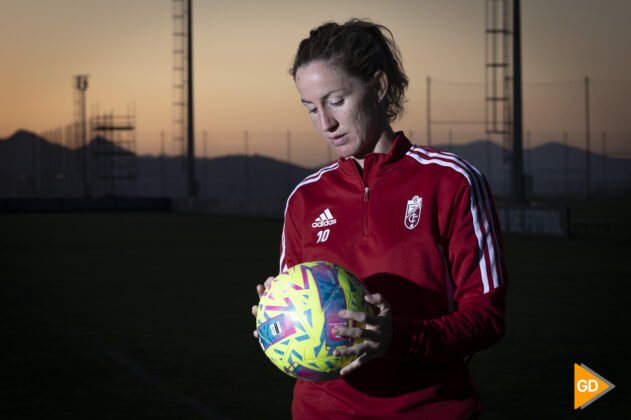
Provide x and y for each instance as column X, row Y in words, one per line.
column 376, row 334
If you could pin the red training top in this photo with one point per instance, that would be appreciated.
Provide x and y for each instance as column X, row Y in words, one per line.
column 418, row 226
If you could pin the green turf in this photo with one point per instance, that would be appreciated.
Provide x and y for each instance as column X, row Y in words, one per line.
column 173, row 293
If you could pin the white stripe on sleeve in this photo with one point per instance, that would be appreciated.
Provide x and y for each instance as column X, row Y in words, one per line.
column 478, row 209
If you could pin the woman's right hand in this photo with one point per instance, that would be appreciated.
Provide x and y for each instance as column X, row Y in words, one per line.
column 260, row 288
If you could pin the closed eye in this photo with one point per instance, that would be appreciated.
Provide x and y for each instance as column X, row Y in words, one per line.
column 337, row 103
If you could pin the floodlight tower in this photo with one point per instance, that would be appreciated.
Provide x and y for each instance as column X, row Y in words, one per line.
column 81, row 133
column 183, row 131
column 503, row 111
column 519, row 193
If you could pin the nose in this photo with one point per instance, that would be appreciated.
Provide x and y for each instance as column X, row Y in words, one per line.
column 326, row 121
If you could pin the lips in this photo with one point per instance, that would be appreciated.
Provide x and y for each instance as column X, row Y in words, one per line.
column 338, row 140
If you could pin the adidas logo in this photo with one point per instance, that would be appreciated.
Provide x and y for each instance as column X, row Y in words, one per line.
column 325, row 219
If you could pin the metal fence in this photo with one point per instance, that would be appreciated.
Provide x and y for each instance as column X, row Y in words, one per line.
column 577, row 141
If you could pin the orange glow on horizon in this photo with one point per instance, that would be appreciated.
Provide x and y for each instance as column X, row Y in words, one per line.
column 243, row 51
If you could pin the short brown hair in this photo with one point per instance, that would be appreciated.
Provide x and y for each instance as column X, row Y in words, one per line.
column 361, row 48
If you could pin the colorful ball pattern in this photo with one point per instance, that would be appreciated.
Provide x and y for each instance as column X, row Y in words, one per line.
column 297, row 314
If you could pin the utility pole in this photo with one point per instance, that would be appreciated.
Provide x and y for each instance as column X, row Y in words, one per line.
column 604, row 162
column 246, row 160
column 566, row 168
column 587, row 141
column 162, row 172
column 429, row 113
column 289, row 183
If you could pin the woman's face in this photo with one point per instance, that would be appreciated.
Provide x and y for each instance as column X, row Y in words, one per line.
column 343, row 109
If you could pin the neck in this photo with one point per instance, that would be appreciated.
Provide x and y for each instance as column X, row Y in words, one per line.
column 383, row 144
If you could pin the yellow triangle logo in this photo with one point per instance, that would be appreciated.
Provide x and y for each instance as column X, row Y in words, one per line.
column 588, row 386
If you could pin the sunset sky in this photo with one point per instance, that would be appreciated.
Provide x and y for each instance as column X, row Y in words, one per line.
column 243, row 49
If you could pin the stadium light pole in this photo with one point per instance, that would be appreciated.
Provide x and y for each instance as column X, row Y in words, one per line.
column 192, row 182
column 518, row 164
column 81, row 85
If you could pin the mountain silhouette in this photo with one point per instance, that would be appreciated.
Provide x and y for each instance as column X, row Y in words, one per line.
column 551, row 169
column 30, row 166
column 100, row 144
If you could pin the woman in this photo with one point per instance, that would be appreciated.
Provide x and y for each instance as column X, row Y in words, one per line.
column 417, row 225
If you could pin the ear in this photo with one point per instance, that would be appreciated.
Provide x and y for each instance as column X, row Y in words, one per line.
column 381, row 84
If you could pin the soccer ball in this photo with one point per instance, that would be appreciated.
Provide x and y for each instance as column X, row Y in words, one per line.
column 297, row 314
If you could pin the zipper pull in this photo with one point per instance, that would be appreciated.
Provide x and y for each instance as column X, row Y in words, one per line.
column 365, row 193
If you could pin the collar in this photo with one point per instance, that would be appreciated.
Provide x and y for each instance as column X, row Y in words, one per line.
column 379, row 162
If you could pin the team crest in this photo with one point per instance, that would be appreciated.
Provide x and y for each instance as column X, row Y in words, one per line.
column 413, row 212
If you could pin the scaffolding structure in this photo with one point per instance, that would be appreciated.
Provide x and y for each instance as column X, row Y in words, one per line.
column 113, row 149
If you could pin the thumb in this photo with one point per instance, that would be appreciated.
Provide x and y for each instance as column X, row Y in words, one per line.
column 379, row 302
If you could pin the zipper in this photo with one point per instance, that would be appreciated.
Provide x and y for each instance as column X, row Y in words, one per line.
column 365, row 211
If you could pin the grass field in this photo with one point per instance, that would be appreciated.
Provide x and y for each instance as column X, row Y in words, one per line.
column 147, row 316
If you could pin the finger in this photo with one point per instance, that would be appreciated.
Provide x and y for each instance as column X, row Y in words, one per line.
column 356, row 350
column 355, row 364
column 354, row 315
column 361, row 317
column 377, row 300
column 255, row 334
column 255, row 310
column 261, row 288
column 369, row 347
column 349, row 368
column 351, row 332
